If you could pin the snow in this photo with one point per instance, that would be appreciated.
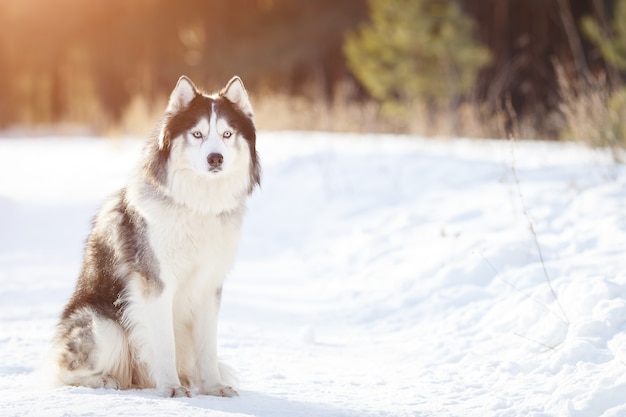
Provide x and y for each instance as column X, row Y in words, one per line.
column 377, row 276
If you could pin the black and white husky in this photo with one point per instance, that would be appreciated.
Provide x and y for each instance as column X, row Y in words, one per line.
column 145, row 308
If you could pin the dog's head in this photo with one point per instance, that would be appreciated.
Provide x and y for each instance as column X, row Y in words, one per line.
column 216, row 131
column 206, row 141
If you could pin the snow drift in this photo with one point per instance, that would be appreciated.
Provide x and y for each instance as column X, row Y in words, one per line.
column 378, row 275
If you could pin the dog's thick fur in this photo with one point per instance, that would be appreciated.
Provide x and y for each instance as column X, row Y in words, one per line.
column 145, row 308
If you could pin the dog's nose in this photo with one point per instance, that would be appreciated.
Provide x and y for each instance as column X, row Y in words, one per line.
column 215, row 160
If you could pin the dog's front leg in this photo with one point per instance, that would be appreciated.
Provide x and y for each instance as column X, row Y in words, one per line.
column 208, row 378
column 154, row 337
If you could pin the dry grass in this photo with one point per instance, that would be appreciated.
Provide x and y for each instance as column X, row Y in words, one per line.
column 139, row 118
column 275, row 111
column 279, row 111
column 589, row 112
column 593, row 113
column 310, row 111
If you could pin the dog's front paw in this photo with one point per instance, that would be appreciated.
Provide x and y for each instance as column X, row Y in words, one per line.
column 175, row 391
column 221, row 391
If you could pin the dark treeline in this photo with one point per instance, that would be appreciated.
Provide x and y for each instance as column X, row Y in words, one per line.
column 528, row 38
column 59, row 58
column 64, row 60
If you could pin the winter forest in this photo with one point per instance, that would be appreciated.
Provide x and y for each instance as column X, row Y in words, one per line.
column 440, row 228
column 468, row 67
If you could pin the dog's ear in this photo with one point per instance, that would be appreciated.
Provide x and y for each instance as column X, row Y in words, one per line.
column 180, row 98
column 182, row 95
column 236, row 93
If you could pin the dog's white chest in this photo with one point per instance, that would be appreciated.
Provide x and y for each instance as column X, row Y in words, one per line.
column 195, row 249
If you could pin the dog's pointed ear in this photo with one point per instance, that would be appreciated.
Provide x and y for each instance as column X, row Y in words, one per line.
column 182, row 95
column 180, row 98
column 236, row 93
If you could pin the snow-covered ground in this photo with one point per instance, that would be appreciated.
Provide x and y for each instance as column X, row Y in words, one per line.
column 377, row 276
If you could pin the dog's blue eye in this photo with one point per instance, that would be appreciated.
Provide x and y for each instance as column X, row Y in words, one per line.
column 227, row 134
column 197, row 134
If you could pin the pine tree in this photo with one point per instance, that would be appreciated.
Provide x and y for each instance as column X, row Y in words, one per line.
column 610, row 131
column 612, row 48
column 416, row 50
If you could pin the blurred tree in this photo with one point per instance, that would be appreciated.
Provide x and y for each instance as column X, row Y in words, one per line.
column 87, row 61
column 609, row 130
column 416, row 49
column 75, row 60
column 612, row 45
column 527, row 38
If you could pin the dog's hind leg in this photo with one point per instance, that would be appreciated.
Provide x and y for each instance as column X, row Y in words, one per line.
column 92, row 351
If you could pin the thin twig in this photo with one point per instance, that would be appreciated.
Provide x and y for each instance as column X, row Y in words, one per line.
column 534, row 233
column 525, row 294
column 536, row 341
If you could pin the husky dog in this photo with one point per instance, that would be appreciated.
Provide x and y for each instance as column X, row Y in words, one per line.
column 145, row 308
